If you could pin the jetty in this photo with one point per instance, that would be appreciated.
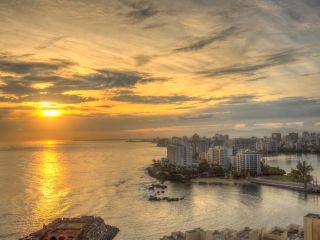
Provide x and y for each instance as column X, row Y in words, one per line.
column 311, row 188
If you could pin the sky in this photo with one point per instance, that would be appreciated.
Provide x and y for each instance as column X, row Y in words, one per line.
column 143, row 68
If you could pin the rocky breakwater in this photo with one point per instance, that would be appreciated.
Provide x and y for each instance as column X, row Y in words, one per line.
column 158, row 189
column 168, row 199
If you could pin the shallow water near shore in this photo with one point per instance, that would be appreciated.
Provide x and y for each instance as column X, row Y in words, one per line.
column 43, row 180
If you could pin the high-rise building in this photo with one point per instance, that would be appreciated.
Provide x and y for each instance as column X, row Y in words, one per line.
column 276, row 137
column 293, row 137
column 244, row 143
column 221, row 156
column 211, row 156
column 220, row 140
column 266, row 145
column 311, row 227
column 180, row 155
column 248, row 161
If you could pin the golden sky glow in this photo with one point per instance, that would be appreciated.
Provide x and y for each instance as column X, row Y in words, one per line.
column 117, row 68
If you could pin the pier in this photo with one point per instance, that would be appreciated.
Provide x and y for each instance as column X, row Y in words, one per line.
column 311, row 188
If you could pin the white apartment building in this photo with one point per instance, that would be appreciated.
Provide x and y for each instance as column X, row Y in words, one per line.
column 248, row 161
column 180, row 155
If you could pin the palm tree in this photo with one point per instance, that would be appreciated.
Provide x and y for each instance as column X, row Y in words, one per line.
column 304, row 170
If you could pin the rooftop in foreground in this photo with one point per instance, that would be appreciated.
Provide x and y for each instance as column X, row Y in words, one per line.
column 80, row 228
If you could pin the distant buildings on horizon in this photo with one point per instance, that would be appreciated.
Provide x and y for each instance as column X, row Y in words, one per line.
column 239, row 154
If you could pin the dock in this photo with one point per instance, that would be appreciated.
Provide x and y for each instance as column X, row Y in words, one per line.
column 311, row 188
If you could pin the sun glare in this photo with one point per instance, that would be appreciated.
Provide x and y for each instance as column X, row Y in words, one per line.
column 51, row 113
column 49, row 109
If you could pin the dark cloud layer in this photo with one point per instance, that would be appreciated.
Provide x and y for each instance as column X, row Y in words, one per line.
column 28, row 73
column 139, row 10
column 289, row 107
column 133, row 98
column 277, row 59
column 57, row 98
column 197, row 116
column 201, row 43
column 31, row 67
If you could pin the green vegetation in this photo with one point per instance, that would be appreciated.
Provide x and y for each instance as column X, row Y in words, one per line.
column 204, row 166
column 302, row 173
column 271, row 171
column 165, row 171
column 283, row 178
column 218, row 171
column 211, row 170
column 169, row 172
column 237, row 175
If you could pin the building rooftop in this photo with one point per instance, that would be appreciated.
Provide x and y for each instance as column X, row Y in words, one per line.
column 244, row 233
column 313, row 215
column 277, row 231
column 81, row 228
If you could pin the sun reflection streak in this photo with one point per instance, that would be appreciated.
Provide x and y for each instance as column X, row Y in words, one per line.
column 51, row 185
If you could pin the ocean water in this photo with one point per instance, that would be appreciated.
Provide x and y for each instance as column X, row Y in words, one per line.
column 40, row 181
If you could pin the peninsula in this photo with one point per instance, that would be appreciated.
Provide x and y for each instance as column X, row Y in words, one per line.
column 231, row 161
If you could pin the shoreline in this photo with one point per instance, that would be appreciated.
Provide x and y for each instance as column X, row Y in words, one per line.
column 294, row 186
column 299, row 187
column 217, row 180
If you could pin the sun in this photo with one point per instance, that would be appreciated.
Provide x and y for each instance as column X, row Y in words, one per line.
column 51, row 112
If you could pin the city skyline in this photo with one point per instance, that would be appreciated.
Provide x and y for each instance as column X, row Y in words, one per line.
column 142, row 68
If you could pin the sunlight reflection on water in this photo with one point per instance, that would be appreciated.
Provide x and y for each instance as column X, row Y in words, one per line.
column 42, row 181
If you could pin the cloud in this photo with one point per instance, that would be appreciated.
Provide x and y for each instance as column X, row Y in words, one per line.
column 29, row 67
column 197, row 116
column 16, row 87
column 172, row 99
column 276, row 59
column 151, row 130
column 140, row 11
column 284, row 108
column 133, row 98
column 103, row 79
column 50, row 42
column 30, row 73
column 295, row 124
column 268, row 125
column 256, row 79
column 142, row 59
column 154, row 26
column 239, row 126
column 58, row 98
column 7, row 99
column 201, row 43
column 239, row 99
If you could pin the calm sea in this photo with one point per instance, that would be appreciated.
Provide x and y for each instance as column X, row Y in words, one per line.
column 42, row 181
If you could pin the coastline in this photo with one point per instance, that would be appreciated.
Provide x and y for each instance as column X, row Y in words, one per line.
column 227, row 181
column 286, row 185
column 219, row 181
